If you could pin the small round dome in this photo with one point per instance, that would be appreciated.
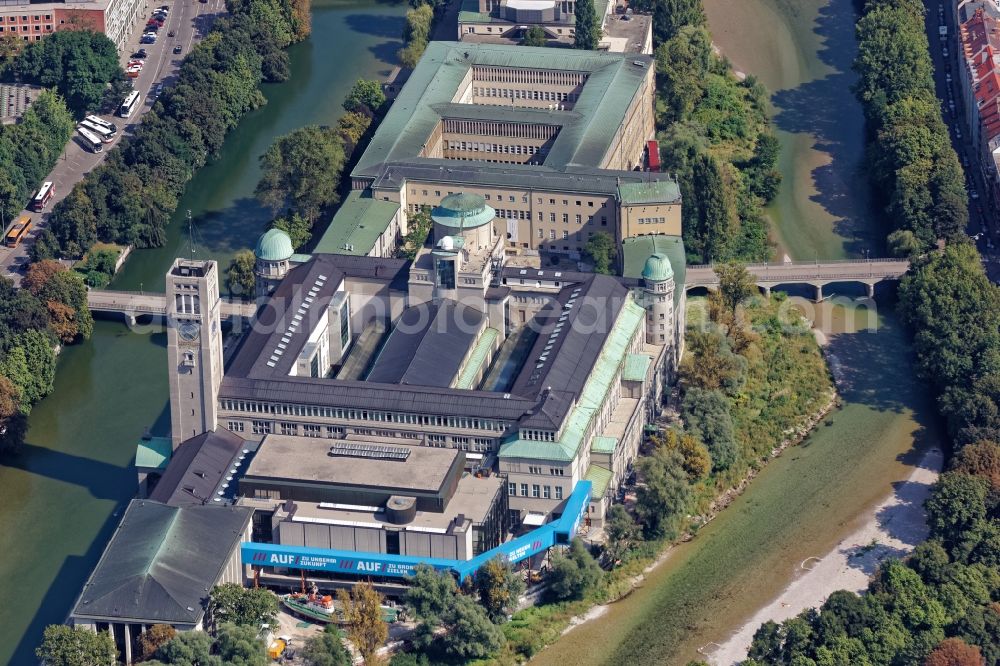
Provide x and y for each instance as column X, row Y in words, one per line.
column 463, row 211
column 657, row 268
column 274, row 245
column 447, row 243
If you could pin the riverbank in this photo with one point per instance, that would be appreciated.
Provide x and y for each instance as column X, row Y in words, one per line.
column 892, row 530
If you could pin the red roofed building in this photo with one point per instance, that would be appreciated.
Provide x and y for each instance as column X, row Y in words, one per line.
column 980, row 84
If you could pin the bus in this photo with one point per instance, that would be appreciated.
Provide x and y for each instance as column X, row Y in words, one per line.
column 101, row 122
column 92, row 141
column 130, row 104
column 17, row 231
column 43, row 197
column 103, row 133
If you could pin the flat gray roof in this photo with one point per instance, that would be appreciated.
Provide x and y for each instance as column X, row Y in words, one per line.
column 306, row 459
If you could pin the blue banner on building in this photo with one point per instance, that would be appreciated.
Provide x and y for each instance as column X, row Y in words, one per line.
column 400, row 566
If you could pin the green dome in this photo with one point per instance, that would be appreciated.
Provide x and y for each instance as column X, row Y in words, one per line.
column 274, row 245
column 657, row 268
column 463, row 211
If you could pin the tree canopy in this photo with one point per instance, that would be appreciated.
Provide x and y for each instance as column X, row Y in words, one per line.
column 75, row 646
column 301, row 171
column 587, row 34
column 234, row 604
column 572, row 575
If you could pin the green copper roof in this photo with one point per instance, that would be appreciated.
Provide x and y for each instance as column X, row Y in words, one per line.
column 657, row 268
column 604, row 444
column 657, row 191
column 154, row 453
column 274, row 245
column 638, row 249
column 600, row 477
column 594, row 393
column 636, row 366
column 480, row 353
column 587, row 131
column 357, row 225
column 463, row 211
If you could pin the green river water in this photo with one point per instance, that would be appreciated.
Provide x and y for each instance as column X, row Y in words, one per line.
column 60, row 500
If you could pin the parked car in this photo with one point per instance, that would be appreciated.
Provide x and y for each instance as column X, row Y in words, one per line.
column 177, row 49
column 141, row 53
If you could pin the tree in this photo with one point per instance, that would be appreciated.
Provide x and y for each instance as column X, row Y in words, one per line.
column 736, row 284
column 706, row 416
column 430, row 594
column 302, row 170
column 621, row 531
column 366, row 96
column 903, row 243
column 709, row 222
column 955, row 652
column 239, row 645
column 418, row 228
column 499, row 588
column 574, row 574
column 683, row 64
column 470, row 633
column 415, row 35
column 956, row 503
column 352, row 127
column 326, row 649
column 534, row 36
column 241, row 278
column 363, row 614
column 600, row 250
column 10, row 397
column 980, row 458
column 151, row 640
column 30, row 365
column 710, row 363
column 588, row 27
column 663, row 500
column 75, row 646
column 78, row 63
column 298, row 228
column 696, row 460
column 39, row 274
column 187, row 648
column 232, row 603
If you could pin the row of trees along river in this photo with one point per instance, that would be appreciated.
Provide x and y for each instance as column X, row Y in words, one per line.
column 62, row 496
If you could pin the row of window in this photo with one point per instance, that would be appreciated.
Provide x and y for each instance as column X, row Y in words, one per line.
column 537, row 491
column 24, row 18
column 482, row 147
column 259, row 427
column 24, row 28
column 496, row 128
column 254, row 407
column 511, row 198
column 554, row 471
column 518, row 93
column 491, row 74
column 537, row 435
column 652, row 220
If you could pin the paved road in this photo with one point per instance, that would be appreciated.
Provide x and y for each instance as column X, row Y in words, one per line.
column 190, row 20
column 983, row 214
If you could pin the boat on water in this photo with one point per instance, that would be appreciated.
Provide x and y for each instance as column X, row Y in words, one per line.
column 323, row 608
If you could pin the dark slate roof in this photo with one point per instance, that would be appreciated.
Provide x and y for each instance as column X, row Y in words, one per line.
column 428, row 344
column 511, row 275
column 574, row 327
column 197, row 468
column 161, row 563
column 311, row 284
column 370, row 395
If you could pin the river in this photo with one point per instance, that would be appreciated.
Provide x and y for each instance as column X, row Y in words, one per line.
column 61, row 498
column 806, row 501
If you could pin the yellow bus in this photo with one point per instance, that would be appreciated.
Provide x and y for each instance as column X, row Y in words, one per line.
column 17, row 231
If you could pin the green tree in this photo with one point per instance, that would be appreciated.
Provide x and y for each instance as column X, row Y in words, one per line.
column 362, row 610
column 903, row 243
column 302, row 170
column 326, row 649
column 416, row 35
column 710, row 364
column 187, row 648
column 697, row 461
column 430, row 594
column 736, row 284
column 621, row 531
column 469, row 632
column 956, row 504
column 239, row 645
column 30, row 365
column 534, row 36
column 662, row 502
column 298, row 228
column 240, row 276
column 706, row 415
column 588, row 26
column 366, row 96
column 600, row 250
column 572, row 575
column 234, row 604
column 683, row 64
column 352, row 127
column 418, row 227
column 74, row 646
column 499, row 588
column 711, row 218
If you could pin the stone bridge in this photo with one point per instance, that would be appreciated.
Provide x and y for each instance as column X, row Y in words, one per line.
column 814, row 273
column 136, row 303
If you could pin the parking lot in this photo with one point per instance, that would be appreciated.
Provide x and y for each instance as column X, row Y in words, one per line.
column 189, row 20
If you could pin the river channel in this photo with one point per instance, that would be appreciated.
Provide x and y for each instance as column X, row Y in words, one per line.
column 60, row 499
column 806, row 501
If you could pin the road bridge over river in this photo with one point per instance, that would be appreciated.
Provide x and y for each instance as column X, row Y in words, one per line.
column 136, row 303
column 814, row 273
